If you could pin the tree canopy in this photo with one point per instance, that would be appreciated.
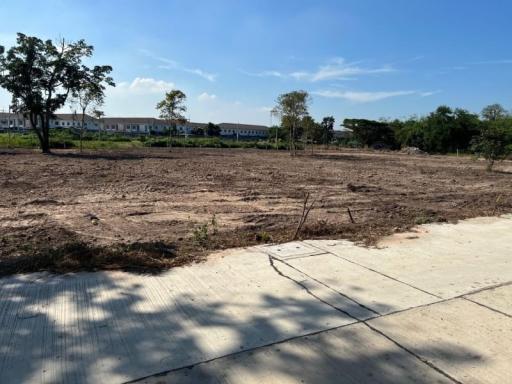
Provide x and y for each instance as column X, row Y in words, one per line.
column 172, row 107
column 41, row 76
column 292, row 107
column 212, row 129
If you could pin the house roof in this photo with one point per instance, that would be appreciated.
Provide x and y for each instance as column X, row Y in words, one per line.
column 129, row 120
column 243, row 126
column 5, row 115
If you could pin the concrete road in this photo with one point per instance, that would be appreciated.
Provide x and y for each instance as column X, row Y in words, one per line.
column 430, row 306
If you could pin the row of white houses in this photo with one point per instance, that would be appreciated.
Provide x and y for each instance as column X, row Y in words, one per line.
column 130, row 125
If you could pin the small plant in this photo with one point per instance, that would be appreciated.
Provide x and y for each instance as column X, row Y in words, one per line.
column 203, row 232
column 263, row 237
column 423, row 219
column 201, row 235
column 215, row 224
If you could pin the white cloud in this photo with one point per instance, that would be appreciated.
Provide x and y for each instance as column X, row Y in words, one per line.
column 363, row 97
column 429, row 93
column 206, row 97
column 144, row 85
column 338, row 69
column 172, row 64
column 265, row 74
column 199, row 72
column 335, row 69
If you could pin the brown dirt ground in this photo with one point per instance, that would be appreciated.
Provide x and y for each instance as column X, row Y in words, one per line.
column 144, row 209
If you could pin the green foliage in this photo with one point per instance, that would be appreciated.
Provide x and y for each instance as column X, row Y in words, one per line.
column 172, row 107
column 326, row 130
column 494, row 112
column 370, row 133
column 494, row 140
column 203, row 232
column 40, row 76
column 442, row 131
column 282, row 134
column 214, row 142
column 212, row 130
column 292, row 107
column 263, row 237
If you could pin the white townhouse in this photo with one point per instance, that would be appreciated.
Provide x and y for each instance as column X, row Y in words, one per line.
column 131, row 125
column 243, row 130
column 13, row 122
column 74, row 120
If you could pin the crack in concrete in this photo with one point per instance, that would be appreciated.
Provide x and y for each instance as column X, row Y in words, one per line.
column 271, row 258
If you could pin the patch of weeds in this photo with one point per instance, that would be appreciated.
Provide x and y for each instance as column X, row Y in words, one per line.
column 215, row 225
column 203, row 232
column 423, row 219
column 428, row 218
column 263, row 237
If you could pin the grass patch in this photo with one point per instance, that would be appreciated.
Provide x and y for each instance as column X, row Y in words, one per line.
column 68, row 139
column 80, row 256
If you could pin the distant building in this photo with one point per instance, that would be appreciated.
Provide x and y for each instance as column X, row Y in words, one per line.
column 74, row 120
column 243, row 130
column 12, row 121
column 131, row 125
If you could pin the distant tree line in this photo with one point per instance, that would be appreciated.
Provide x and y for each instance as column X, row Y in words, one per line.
column 442, row 131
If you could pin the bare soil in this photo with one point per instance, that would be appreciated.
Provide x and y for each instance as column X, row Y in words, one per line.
column 152, row 209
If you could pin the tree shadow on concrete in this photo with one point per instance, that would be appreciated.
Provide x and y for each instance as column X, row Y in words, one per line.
column 116, row 327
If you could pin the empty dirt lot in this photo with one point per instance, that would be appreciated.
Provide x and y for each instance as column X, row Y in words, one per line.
column 149, row 209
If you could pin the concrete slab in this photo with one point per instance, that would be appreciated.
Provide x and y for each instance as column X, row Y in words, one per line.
column 113, row 326
column 443, row 259
column 350, row 355
column 377, row 292
column 499, row 299
column 465, row 340
column 291, row 250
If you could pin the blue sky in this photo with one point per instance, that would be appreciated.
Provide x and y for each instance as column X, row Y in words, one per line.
column 357, row 58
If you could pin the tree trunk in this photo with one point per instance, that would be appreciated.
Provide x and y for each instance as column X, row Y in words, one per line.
column 44, row 136
column 82, row 130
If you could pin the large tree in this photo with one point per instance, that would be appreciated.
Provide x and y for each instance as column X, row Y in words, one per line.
column 327, row 130
column 172, row 109
column 310, row 129
column 292, row 107
column 41, row 75
column 213, row 129
column 370, row 132
column 494, row 112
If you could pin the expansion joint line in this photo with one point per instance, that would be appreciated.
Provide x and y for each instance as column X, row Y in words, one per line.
column 486, row 307
column 357, row 321
column 360, row 321
column 379, row 273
